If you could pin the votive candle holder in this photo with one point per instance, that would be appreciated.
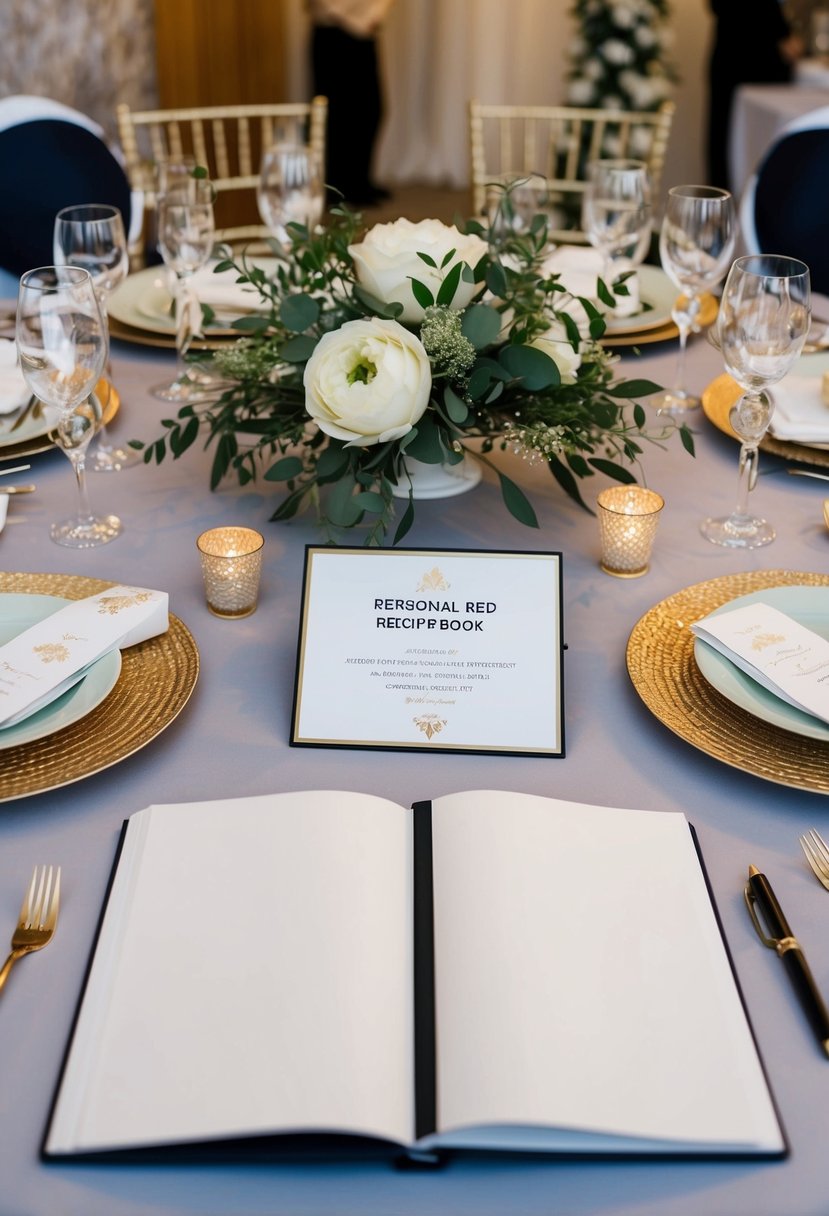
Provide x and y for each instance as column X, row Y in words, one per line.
column 628, row 516
column 231, row 560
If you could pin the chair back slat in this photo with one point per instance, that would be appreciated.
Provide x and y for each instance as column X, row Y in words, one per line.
column 509, row 142
column 227, row 140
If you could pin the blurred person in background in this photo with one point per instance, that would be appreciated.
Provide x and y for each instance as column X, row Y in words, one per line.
column 346, row 70
column 753, row 43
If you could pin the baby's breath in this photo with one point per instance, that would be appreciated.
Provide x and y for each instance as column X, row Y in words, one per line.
column 450, row 352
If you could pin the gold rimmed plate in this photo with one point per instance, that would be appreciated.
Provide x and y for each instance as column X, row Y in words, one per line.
column 42, row 442
column 665, row 674
column 722, row 393
column 156, row 680
column 662, row 332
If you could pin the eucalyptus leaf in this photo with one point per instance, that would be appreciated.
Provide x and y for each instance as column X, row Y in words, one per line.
column 298, row 349
column 342, row 507
column 633, row 388
column 481, row 325
column 298, row 313
column 284, row 470
column 517, row 503
column 532, row 366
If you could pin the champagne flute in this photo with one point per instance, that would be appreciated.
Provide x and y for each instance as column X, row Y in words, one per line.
column 91, row 235
column 763, row 323
column 185, row 237
column 616, row 211
column 62, row 346
column 290, row 189
column 696, row 244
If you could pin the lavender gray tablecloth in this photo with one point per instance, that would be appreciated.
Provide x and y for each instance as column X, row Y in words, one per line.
column 232, row 737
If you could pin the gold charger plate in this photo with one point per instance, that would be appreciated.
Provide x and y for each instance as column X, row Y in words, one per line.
column 717, row 400
column 156, row 680
column 662, row 333
column 42, row 443
column 664, row 672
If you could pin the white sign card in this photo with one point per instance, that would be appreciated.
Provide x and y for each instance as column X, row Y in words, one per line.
column 430, row 649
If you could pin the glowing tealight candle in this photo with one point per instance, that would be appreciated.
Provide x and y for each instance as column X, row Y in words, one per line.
column 628, row 516
column 231, row 560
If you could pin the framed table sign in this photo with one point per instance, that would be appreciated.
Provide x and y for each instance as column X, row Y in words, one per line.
column 430, row 650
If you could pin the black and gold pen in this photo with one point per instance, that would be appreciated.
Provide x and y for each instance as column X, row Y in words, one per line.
column 779, row 937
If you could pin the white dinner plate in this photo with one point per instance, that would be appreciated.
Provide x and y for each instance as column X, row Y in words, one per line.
column 657, row 295
column 808, row 606
column 30, row 428
column 19, row 612
column 143, row 301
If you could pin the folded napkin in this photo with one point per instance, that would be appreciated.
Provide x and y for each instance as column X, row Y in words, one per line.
column 799, row 412
column 580, row 266
column 789, row 660
column 14, row 392
column 223, row 294
column 47, row 659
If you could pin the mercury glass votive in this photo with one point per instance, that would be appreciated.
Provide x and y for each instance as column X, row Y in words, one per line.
column 231, row 561
column 628, row 516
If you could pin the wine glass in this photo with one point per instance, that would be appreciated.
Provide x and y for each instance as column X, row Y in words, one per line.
column 616, row 211
column 91, row 235
column 763, row 322
column 290, row 189
column 62, row 346
column 185, row 237
column 696, row 244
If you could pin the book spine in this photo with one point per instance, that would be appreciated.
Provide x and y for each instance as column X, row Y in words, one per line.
column 424, row 973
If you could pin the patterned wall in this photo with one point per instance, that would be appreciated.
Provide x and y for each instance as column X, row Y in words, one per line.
column 88, row 54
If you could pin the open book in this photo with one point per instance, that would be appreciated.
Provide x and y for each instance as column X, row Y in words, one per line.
column 489, row 970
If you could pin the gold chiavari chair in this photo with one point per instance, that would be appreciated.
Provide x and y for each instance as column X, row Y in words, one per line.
column 555, row 143
column 228, row 141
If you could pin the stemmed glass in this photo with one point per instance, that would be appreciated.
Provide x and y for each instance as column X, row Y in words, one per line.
column 62, row 346
column 696, row 244
column 763, row 322
column 616, row 211
column 185, row 238
column 91, row 235
column 290, row 190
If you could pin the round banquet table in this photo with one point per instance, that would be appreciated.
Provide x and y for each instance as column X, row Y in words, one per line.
column 231, row 739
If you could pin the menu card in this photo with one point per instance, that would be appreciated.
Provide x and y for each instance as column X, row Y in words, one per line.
column 44, row 661
column 788, row 659
column 430, row 649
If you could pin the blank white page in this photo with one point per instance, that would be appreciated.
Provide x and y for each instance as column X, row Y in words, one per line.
column 581, row 978
column 254, row 974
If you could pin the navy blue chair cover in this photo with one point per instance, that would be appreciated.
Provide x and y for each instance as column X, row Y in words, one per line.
column 48, row 164
column 791, row 202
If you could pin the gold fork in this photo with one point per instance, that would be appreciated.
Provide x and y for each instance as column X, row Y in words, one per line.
column 817, row 855
column 38, row 916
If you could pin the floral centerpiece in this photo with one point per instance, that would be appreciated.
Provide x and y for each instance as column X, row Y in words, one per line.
column 368, row 355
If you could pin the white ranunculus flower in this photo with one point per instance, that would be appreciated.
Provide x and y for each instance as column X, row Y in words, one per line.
column 367, row 382
column 555, row 344
column 387, row 260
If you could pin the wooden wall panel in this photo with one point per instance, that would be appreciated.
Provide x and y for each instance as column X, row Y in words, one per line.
column 219, row 52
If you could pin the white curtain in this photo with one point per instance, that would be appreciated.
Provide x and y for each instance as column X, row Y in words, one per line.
column 436, row 55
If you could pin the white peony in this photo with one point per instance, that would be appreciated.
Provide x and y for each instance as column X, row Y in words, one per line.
column 615, row 51
column 367, row 382
column 387, row 260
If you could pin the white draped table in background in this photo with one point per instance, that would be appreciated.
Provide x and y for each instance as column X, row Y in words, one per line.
column 231, row 739
column 760, row 113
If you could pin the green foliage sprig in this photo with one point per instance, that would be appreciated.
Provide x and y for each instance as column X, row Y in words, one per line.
column 488, row 381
